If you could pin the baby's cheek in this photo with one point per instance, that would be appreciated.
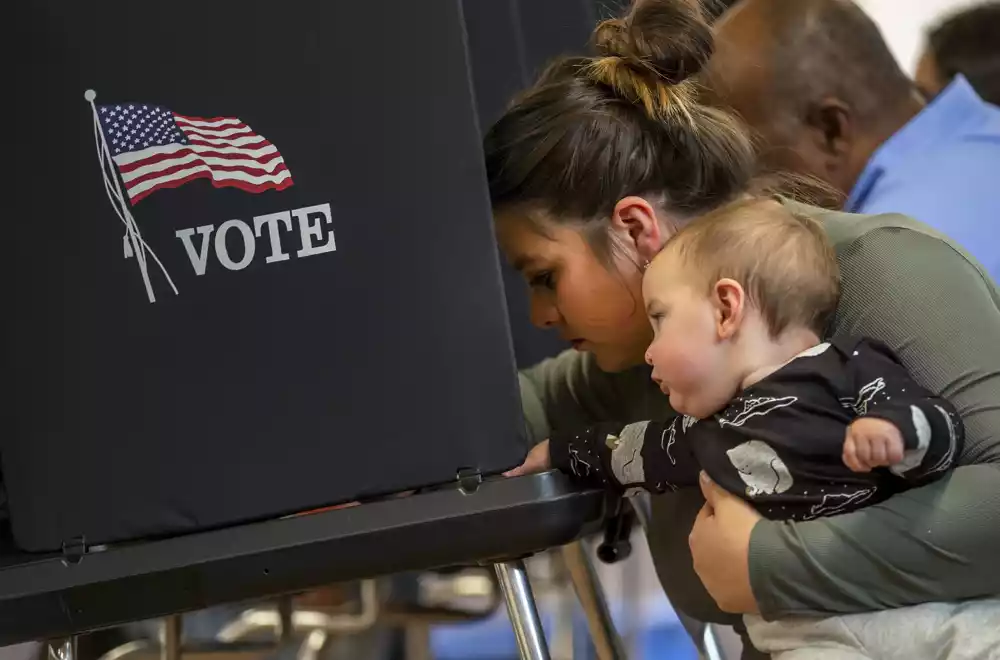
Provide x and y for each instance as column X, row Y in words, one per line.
column 691, row 371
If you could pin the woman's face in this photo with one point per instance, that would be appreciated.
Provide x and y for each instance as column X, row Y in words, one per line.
column 598, row 308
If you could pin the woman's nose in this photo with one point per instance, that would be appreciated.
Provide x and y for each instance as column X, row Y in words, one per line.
column 544, row 313
column 649, row 356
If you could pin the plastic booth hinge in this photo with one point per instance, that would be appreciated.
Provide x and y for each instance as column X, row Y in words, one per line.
column 469, row 480
column 617, row 544
column 74, row 549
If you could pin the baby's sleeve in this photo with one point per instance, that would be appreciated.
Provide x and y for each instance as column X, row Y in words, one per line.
column 933, row 434
column 651, row 456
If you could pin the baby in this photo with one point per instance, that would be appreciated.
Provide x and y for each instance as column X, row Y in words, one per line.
column 796, row 426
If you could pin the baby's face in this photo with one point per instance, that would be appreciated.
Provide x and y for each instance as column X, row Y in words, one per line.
column 691, row 363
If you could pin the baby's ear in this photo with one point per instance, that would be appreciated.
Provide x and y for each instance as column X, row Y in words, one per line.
column 730, row 302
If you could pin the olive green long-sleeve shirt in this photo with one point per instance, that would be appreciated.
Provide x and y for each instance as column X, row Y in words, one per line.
column 925, row 297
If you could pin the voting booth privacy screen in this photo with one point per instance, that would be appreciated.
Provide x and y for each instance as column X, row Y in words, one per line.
column 259, row 273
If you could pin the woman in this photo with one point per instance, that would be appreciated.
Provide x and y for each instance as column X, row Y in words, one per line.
column 590, row 172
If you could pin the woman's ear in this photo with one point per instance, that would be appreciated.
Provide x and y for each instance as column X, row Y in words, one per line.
column 636, row 218
column 730, row 306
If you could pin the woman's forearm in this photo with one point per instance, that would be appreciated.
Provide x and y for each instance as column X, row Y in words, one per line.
column 927, row 544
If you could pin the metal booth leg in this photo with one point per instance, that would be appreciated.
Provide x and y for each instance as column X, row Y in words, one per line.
column 63, row 649
column 607, row 643
column 522, row 610
column 173, row 631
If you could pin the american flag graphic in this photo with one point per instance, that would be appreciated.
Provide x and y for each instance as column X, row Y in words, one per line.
column 155, row 148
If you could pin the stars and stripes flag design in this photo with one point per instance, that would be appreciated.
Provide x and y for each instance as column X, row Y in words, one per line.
column 155, row 148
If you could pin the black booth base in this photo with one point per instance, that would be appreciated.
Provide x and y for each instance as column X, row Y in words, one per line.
column 43, row 597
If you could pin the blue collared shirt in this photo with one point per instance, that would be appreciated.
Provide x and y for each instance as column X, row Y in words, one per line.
column 942, row 168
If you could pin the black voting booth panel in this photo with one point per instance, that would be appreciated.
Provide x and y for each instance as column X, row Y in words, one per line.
column 48, row 597
column 338, row 337
column 504, row 61
column 510, row 42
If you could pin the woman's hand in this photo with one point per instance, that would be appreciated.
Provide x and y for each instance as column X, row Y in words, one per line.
column 536, row 461
column 720, row 546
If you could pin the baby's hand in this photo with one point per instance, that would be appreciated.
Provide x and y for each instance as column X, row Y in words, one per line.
column 536, row 461
column 872, row 443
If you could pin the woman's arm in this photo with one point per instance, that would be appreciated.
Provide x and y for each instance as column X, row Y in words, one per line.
column 935, row 309
column 935, row 543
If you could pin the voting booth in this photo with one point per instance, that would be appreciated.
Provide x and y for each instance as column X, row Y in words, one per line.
column 255, row 277
column 265, row 263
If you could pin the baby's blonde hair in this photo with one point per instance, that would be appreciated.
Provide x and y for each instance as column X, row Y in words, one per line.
column 783, row 260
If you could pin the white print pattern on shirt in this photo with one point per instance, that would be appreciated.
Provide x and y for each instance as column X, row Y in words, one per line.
column 577, row 465
column 760, row 468
column 667, row 440
column 836, row 502
column 866, row 394
column 687, row 422
column 757, row 407
column 626, row 456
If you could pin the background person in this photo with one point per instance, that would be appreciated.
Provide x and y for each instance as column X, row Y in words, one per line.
column 817, row 83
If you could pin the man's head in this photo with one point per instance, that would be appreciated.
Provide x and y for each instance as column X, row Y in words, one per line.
column 814, row 79
column 727, row 292
column 964, row 43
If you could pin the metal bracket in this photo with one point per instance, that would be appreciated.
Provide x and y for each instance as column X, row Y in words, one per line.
column 74, row 549
column 469, row 480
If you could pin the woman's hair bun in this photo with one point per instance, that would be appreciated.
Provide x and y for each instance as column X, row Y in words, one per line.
column 670, row 38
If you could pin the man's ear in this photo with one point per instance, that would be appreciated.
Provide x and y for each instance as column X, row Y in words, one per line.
column 635, row 218
column 832, row 125
column 730, row 302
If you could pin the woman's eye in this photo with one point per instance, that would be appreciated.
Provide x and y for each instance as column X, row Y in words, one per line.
column 543, row 280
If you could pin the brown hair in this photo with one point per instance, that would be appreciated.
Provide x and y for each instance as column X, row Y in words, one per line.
column 783, row 260
column 592, row 131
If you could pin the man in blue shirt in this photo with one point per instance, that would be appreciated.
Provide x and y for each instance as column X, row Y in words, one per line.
column 816, row 80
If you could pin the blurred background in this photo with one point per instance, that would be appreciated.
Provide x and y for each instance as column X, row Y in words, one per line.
column 904, row 23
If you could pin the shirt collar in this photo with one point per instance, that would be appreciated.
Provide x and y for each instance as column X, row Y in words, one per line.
column 936, row 123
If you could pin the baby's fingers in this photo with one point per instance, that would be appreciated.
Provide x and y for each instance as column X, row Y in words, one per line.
column 879, row 454
column 894, row 451
column 863, row 452
column 851, row 456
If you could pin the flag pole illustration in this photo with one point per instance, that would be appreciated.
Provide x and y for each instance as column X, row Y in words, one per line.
column 153, row 148
column 133, row 241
